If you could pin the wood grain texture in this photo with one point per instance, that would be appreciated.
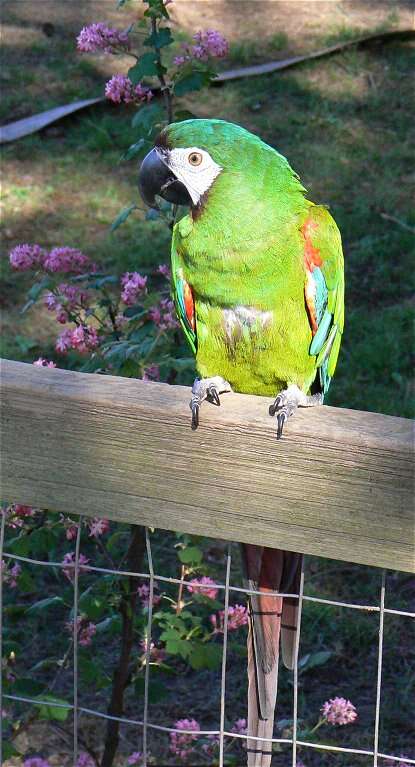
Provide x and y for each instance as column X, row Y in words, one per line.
column 340, row 484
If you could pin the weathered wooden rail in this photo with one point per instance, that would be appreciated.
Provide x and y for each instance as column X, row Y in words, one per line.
column 340, row 484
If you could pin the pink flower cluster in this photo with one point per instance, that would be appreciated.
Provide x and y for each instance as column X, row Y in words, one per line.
column 69, row 564
column 339, row 711
column 83, row 338
column 85, row 630
column 182, row 743
column 17, row 513
column 10, row 573
column 42, row 363
column 24, row 257
column 66, row 260
column 237, row 617
column 151, row 373
column 120, row 89
column 133, row 285
column 208, row 45
column 163, row 315
column 67, row 299
column 204, row 586
column 144, row 594
column 99, row 37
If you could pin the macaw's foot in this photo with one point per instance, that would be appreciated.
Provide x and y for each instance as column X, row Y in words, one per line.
column 206, row 389
column 287, row 402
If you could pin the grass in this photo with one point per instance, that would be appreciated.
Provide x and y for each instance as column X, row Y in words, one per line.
column 345, row 125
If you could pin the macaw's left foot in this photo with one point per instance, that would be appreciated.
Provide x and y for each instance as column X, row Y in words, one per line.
column 206, row 389
column 287, row 402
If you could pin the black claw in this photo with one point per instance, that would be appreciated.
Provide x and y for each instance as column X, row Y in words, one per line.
column 195, row 416
column 213, row 396
column 281, row 419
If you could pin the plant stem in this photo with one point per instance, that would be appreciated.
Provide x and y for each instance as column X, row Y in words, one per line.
column 165, row 88
column 121, row 673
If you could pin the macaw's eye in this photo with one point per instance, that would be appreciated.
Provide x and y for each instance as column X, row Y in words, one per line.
column 195, row 158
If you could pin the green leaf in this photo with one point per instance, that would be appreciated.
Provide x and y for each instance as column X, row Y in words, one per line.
column 38, row 288
column 52, row 711
column 191, row 556
column 146, row 66
column 44, row 604
column 160, row 39
column 133, row 150
column 26, row 582
column 146, row 117
column 28, row 687
column 122, row 217
column 19, row 545
column 191, row 82
column 205, row 656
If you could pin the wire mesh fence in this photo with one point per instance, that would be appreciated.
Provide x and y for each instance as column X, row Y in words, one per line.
column 144, row 724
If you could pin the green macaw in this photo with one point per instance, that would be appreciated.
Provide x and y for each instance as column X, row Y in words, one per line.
column 258, row 284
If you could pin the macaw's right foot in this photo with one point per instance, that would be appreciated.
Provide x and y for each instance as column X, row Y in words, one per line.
column 206, row 389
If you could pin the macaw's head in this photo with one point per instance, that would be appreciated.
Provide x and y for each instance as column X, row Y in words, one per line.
column 194, row 160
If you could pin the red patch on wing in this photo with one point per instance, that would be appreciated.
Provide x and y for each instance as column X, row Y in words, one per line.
column 312, row 256
column 310, row 294
column 189, row 304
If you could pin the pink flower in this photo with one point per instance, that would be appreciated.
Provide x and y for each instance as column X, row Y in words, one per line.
column 98, row 526
column 99, row 37
column 237, row 617
column 10, row 573
column 83, row 338
column 135, row 758
column 178, row 61
column 24, row 257
column 120, row 88
column 240, row 727
column 164, row 269
column 85, row 760
column 163, row 315
column 17, row 513
column 42, row 363
column 35, row 761
column 182, row 744
column 144, row 594
column 68, row 260
column 198, row 586
column 69, row 562
column 209, row 45
column 64, row 341
column 339, row 711
column 71, row 527
column 134, row 285
column 212, row 42
column 151, row 373
column 156, row 653
column 85, row 630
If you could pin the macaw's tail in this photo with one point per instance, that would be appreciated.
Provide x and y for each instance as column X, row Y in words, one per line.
column 268, row 570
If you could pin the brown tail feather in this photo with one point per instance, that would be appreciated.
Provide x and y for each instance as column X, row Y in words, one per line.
column 267, row 570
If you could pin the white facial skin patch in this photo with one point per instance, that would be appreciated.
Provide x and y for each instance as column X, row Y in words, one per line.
column 194, row 167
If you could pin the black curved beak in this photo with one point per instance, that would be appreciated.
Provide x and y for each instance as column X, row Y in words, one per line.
column 155, row 177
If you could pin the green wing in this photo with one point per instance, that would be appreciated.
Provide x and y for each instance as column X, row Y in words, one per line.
column 183, row 299
column 327, row 274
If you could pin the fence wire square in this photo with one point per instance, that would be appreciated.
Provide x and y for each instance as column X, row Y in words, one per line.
column 144, row 724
